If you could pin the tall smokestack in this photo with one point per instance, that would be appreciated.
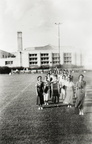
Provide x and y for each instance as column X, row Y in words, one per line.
column 19, row 38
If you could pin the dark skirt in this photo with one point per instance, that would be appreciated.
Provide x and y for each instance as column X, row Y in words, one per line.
column 55, row 97
column 55, row 93
column 40, row 99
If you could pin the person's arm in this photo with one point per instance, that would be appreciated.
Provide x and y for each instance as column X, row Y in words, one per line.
column 85, row 90
column 36, row 90
column 73, row 90
column 58, row 87
column 52, row 89
column 76, row 89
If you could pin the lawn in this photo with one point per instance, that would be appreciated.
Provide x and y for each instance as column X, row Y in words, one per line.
column 22, row 123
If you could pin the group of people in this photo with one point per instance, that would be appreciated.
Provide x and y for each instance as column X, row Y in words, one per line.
column 60, row 85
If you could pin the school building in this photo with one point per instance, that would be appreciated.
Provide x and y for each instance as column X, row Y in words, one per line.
column 47, row 55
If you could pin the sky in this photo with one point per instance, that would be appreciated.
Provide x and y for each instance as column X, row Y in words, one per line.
column 36, row 19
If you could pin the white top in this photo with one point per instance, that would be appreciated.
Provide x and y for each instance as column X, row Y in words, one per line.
column 60, row 79
column 69, row 85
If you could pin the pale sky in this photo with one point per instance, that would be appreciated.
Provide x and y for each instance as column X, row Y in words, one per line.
column 37, row 18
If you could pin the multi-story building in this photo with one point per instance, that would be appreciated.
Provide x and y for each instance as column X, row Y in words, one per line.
column 41, row 56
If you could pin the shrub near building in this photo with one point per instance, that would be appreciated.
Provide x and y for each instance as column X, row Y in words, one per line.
column 5, row 70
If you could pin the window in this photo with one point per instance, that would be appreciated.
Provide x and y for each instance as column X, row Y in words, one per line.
column 67, row 58
column 55, row 54
column 33, row 59
column 44, row 58
column 55, row 58
column 32, row 55
column 44, row 54
column 8, row 62
column 32, row 63
column 45, row 63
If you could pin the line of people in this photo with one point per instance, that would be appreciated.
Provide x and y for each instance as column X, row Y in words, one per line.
column 57, row 86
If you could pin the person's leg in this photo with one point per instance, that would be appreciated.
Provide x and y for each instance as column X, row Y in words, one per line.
column 81, row 109
column 39, row 107
column 41, row 100
column 62, row 94
column 80, row 112
column 44, row 99
column 47, row 98
column 58, row 99
column 68, row 106
column 50, row 92
column 54, row 99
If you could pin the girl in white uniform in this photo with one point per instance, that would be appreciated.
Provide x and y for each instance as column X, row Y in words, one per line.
column 63, row 87
column 69, row 92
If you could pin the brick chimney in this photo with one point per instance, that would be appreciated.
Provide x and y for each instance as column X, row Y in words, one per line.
column 19, row 38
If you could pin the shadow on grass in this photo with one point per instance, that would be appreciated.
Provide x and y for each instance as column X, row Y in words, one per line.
column 52, row 105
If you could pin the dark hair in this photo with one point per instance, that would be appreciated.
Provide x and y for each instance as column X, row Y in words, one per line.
column 63, row 76
column 48, row 73
column 70, row 78
column 80, row 75
column 55, row 75
column 39, row 77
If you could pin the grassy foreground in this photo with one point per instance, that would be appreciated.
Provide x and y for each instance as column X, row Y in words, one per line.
column 22, row 123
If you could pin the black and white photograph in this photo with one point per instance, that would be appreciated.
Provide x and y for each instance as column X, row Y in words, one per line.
column 45, row 71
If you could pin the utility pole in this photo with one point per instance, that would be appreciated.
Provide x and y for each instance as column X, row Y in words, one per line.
column 58, row 24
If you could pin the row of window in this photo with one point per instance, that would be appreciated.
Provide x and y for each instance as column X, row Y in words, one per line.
column 8, row 56
column 32, row 63
column 67, row 54
column 32, row 55
column 44, row 54
column 46, row 58
column 55, row 54
column 8, row 62
column 67, row 58
column 56, row 58
column 55, row 62
column 67, row 62
column 32, row 58
column 45, row 62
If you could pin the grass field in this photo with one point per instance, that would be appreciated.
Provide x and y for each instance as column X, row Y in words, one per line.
column 14, row 86
column 22, row 123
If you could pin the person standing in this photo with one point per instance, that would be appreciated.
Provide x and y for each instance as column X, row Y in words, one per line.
column 55, row 90
column 62, row 85
column 46, row 90
column 80, row 93
column 39, row 92
column 69, row 92
column 49, row 79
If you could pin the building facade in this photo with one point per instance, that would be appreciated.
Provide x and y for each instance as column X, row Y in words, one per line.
column 40, row 56
column 43, row 56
